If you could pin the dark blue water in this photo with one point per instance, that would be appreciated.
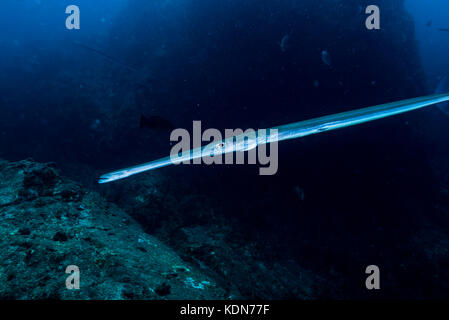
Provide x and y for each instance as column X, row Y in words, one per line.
column 75, row 97
column 433, row 43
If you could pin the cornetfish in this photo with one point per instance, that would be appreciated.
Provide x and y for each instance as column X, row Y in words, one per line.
column 286, row 132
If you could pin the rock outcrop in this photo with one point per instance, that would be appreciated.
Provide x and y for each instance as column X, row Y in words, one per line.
column 48, row 223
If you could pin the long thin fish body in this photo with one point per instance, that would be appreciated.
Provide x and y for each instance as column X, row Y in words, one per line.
column 354, row 117
column 286, row 132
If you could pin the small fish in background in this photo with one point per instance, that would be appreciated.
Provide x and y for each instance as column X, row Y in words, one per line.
column 285, row 43
column 326, row 58
column 300, row 193
column 444, row 29
column 95, row 124
column 155, row 122
column 429, row 23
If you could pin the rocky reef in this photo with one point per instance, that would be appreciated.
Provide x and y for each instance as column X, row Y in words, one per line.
column 155, row 244
column 197, row 228
column 255, row 261
column 48, row 223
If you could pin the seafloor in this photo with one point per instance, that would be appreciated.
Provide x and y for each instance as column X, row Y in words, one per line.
column 48, row 222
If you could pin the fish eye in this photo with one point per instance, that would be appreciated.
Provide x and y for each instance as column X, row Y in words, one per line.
column 221, row 145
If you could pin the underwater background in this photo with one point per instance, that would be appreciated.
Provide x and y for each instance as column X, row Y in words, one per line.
column 71, row 103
